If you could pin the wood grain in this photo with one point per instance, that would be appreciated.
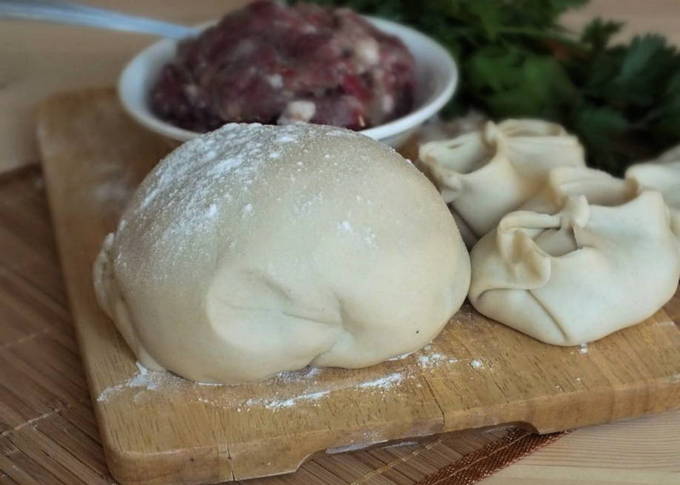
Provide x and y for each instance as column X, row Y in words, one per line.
column 641, row 452
column 477, row 373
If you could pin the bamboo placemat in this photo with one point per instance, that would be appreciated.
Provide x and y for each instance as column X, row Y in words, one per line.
column 48, row 433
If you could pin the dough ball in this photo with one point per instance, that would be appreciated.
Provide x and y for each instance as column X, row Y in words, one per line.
column 488, row 172
column 258, row 249
column 589, row 256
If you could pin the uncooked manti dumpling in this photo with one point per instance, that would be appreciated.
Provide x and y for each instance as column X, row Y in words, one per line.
column 662, row 174
column 258, row 249
column 489, row 172
column 593, row 255
column 599, row 188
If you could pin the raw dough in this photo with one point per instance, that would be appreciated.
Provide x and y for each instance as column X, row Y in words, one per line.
column 258, row 249
column 589, row 256
column 599, row 188
column 662, row 174
column 489, row 172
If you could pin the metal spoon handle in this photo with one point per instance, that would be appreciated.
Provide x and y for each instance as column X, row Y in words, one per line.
column 75, row 14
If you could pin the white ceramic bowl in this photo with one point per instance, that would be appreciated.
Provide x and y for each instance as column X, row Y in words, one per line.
column 436, row 71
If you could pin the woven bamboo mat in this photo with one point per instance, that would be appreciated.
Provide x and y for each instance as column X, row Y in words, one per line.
column 48, row 433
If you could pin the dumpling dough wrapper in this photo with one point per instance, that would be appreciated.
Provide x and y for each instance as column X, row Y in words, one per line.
column 662, row 174
column 493, row 170
column 587, row 257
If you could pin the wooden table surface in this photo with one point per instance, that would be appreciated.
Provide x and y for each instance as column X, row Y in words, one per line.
column 36, row 60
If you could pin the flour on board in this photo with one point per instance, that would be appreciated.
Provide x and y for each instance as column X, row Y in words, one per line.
column 432, row 360
column 282, row 385
column 345, row 226
column 144, row 379
column 286, row 403
column 385, row 382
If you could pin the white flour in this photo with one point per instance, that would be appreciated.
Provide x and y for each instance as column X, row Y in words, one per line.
column 304, row 387
column 145, row 379
column 400, row 356
column 428, row 361
column 149, row 380
column 383, row 382
column 286, row 403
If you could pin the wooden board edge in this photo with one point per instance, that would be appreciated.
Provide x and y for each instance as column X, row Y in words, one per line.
column 604, row 405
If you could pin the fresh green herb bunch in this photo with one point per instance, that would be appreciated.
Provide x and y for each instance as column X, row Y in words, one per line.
column 516, row 60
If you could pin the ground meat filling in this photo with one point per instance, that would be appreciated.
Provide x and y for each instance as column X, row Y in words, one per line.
column 270, row 63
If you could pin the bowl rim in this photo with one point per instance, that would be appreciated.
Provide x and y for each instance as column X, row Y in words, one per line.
column 433, row 102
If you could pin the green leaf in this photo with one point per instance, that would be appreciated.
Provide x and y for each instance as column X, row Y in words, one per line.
column 600, row 124
column 537, row 86
column 667, row 123
column 640, row 56
column 600, row 129
column 598, row 33
column 641, row 69
column 493, row 69
column 487, row 14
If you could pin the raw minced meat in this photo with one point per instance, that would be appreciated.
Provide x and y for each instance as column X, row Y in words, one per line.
column 271, row 63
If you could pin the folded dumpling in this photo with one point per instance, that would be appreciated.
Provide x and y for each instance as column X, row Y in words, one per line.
column 489, row 172
column 599, row 188
column 662, row 174
column 588, row 256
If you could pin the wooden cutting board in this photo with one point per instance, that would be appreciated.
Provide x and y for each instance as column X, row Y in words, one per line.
column 157, row 428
